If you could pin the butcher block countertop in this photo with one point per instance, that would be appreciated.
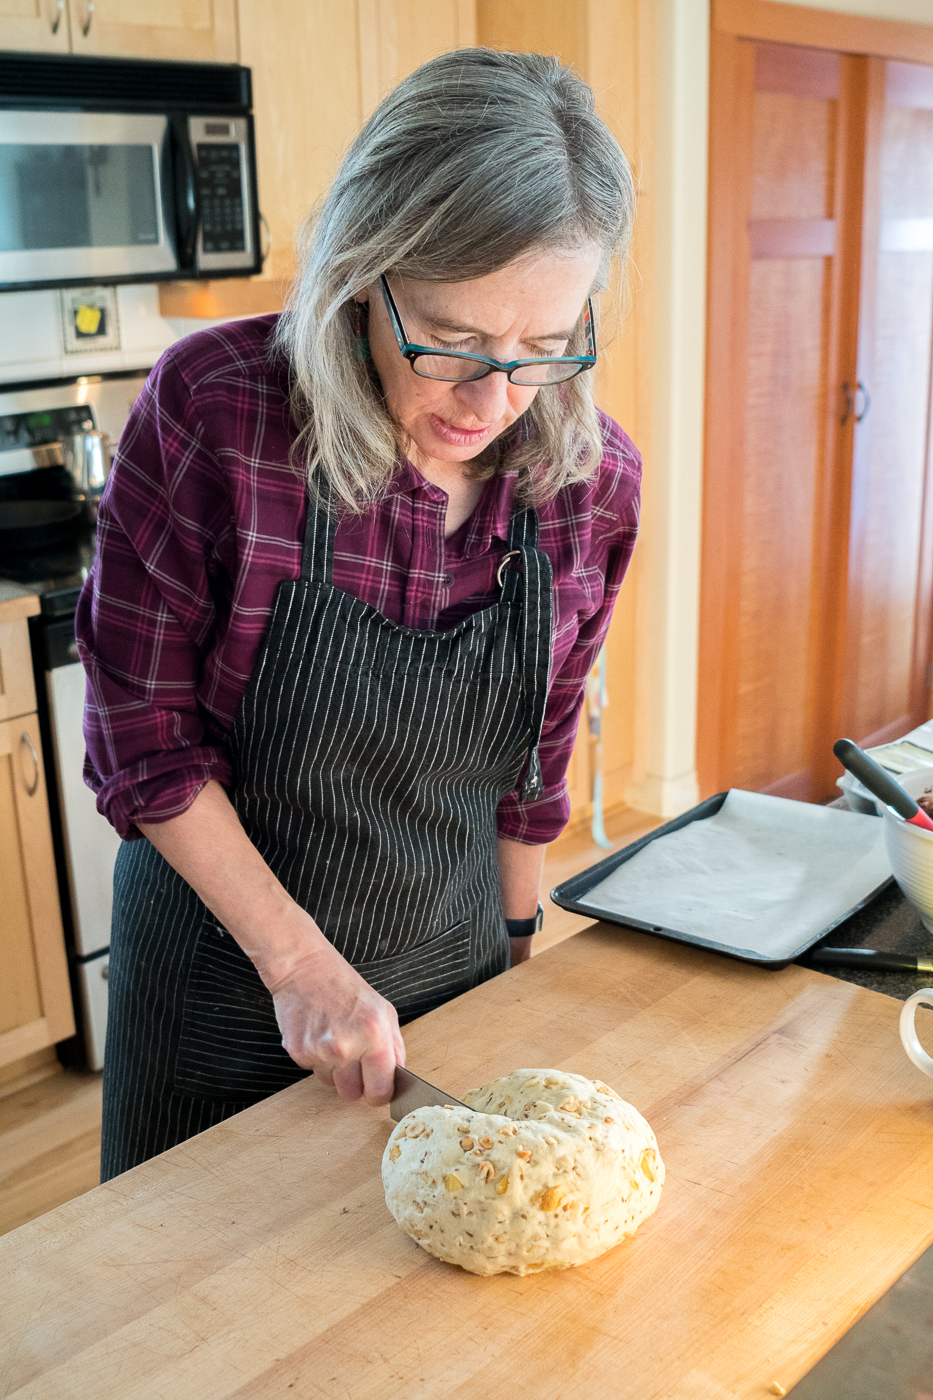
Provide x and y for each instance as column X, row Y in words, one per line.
column 259, row 1260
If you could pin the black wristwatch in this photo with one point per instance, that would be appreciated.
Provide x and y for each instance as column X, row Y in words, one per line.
column 524, row 928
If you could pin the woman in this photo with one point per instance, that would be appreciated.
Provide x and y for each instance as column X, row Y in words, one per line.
column 354, row 565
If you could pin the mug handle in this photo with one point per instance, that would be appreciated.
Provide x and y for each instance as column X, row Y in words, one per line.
column 909, row 1038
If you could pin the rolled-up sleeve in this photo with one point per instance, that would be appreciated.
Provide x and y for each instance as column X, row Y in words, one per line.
column 147, row 614
column 601, row 538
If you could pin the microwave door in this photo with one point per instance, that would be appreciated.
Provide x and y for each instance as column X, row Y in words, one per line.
column 83, row 198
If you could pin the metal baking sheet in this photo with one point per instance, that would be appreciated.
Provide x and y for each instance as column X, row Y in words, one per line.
column 571, row 894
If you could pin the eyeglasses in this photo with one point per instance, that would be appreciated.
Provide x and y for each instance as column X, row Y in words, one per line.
column 458, row 366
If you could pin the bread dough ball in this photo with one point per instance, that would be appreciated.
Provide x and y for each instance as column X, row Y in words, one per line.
column 543, row 1170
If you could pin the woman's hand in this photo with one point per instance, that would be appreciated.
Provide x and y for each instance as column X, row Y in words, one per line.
column 335, row 1024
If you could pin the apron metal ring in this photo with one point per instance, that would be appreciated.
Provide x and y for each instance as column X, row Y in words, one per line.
column 512, row 554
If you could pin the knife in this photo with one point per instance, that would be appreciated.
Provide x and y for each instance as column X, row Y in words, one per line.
column 410, row 1093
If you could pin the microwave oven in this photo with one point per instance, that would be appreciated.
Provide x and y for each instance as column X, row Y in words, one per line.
column 125, row 170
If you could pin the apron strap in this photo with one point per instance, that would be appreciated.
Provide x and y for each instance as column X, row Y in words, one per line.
column 317, row 560
column 534, row 579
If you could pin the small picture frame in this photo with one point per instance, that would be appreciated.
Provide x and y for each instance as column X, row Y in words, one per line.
column 90, row 320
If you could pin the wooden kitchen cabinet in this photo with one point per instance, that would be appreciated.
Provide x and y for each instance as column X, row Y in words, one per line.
column 197, row 30
column 35, row 997
column 37, row 25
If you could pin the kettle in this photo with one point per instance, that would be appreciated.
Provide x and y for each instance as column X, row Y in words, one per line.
column 87, row 456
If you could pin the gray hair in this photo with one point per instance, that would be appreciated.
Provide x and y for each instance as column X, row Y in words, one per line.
column 476, row 159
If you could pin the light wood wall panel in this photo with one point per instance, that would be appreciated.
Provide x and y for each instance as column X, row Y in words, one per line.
column 600, row 41
column 306, row 86
column 397, row 36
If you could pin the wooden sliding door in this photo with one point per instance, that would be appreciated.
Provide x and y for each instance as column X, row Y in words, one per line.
column 816, row 613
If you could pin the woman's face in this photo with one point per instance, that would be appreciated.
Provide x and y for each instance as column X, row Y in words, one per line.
column 528, row 308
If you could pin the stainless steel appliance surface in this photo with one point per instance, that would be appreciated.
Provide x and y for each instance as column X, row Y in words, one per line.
column 35, row 424
column 125, row 170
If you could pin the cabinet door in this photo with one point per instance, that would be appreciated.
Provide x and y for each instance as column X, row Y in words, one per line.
column 35, row 999
column 199, row 30
column 38, row 25
column 887, row 689
column 17, row 688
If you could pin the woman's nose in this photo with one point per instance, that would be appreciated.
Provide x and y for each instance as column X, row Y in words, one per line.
column 487, row 398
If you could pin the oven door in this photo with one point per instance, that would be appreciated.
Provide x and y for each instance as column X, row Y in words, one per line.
column 85, row 197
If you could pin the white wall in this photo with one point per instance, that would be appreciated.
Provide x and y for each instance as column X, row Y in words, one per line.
column 32, row 343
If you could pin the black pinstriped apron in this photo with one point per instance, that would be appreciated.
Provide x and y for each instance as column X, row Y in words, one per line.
column 369, row 760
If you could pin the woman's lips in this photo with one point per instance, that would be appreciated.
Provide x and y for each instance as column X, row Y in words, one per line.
column 458, row 437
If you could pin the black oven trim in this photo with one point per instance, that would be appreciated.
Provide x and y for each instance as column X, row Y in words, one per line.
column 79, row 82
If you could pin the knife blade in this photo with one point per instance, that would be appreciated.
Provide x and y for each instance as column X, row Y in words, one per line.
column 410, row 1093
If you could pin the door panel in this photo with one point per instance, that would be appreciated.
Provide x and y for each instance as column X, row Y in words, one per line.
column 787, row 335
column 889, row 622
column 37, row 25
column 204, row 30
column 768, row 443
column 20, row 1001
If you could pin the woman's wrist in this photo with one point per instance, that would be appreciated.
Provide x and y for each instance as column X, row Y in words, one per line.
column 526, row 928
column 283, row 940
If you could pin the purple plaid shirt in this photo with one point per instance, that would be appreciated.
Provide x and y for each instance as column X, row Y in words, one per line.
column 203, row 517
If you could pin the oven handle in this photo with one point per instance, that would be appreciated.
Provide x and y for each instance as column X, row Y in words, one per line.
column 25, row 742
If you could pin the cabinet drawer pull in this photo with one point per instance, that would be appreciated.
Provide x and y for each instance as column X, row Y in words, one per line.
column 57, row 21
column 86, row 26
column 25, row 742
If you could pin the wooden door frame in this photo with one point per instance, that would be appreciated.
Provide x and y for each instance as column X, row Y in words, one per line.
column 823, row 29
column 729, row 270
column 864, row 44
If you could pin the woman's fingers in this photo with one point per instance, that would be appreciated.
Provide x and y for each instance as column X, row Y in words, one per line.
column 348, row 1081
column 335, row 1023
column 379, row 1075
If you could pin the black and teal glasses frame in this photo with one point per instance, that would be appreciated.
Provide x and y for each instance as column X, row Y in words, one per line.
column 484, row 364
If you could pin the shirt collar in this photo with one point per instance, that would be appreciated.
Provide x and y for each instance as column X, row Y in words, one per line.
column 489, row 521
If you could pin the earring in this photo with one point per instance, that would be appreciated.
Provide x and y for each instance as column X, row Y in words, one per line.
column 360, row 314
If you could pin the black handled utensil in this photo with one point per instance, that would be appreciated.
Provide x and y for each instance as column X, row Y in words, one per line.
column 872, row 776
column 870, row 960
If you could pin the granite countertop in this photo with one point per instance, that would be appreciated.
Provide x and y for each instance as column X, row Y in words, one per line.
column 889, row 924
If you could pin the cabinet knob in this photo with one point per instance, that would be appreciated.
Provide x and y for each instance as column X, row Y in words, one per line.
column 86, row 26
column 57, row 21
column 26, row 744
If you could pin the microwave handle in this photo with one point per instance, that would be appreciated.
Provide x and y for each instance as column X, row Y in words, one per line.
column 185, row 214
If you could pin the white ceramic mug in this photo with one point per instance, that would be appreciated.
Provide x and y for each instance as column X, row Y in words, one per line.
column 909, row 1037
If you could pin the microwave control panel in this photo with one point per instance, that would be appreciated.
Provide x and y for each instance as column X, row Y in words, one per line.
column 220, row 149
